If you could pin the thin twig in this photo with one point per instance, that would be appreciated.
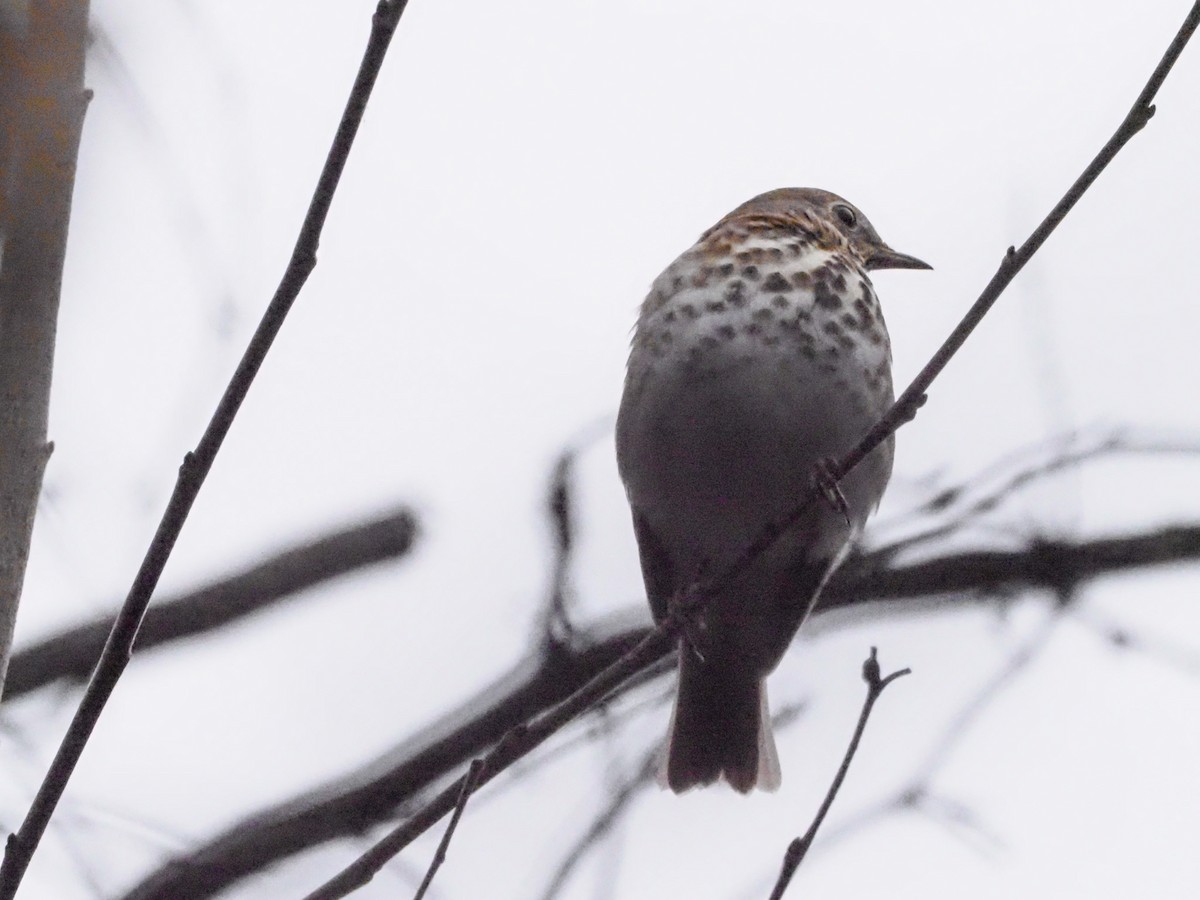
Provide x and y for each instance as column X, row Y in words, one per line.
column 954, row 507
column 196, row 464
column 1177, row 654
column 439, row 856
column 798, row 848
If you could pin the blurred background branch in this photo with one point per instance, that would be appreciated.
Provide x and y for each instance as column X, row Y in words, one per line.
column 866, row 587
column 70, row 654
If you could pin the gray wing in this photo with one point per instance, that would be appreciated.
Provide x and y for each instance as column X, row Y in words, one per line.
column 658, row 571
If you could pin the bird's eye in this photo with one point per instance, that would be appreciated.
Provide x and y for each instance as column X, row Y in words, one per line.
column 846, row 215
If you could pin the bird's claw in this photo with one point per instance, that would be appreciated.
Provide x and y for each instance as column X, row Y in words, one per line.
column 825, row 477
column 694, row 637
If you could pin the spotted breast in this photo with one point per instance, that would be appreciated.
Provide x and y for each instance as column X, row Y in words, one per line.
column 759, row 353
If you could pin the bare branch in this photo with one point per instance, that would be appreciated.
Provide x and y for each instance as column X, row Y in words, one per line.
column 70, row 654
column 798, row 848
column 196, row 465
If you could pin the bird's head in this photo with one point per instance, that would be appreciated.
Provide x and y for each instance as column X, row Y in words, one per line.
column 814, row 209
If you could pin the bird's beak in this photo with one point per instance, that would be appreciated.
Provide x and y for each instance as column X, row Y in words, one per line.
column 884, row 257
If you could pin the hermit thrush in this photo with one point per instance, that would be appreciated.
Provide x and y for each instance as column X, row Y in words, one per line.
column 759, row 354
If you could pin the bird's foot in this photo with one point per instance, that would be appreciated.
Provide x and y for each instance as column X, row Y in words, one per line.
column 825, row 476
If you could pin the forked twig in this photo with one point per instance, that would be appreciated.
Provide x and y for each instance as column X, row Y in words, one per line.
column 196, row 464
column 798, row 848
column 521, row 741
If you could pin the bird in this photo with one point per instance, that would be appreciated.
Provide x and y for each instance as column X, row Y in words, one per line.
column 759, row 356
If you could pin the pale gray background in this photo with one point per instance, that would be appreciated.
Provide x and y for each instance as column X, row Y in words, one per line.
column 525, row 170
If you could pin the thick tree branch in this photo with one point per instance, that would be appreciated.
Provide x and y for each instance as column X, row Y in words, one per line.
column 72, row 653
column 196, row 464
column 378, row 791
column 42, row 103
column 1043, row 563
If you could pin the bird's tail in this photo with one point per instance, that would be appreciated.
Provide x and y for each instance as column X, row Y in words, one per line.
column 720, row 727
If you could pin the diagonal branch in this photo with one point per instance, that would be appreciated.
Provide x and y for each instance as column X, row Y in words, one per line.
column 524, row 739
column 197, row 464
column 70, row 654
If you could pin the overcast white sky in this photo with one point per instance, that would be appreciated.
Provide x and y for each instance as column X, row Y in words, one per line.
column 525, row 170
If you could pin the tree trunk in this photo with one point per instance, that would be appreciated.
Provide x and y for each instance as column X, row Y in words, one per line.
column 42, row 102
